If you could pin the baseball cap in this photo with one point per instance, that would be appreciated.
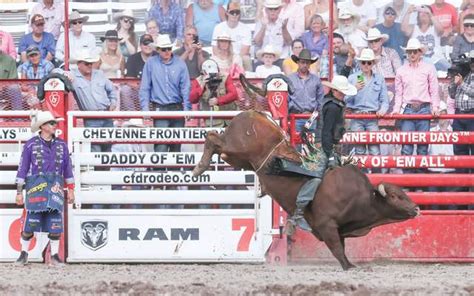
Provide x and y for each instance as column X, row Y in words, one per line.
column 32, row 49
column 37, row 19
column 233, row 6
column 146, row 39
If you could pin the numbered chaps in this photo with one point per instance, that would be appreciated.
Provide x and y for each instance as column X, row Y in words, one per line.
column 345, row 205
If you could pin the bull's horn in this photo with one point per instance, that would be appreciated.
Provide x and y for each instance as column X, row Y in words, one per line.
column 381, row 189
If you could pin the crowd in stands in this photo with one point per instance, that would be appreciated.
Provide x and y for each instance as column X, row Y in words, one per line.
column 414, row 44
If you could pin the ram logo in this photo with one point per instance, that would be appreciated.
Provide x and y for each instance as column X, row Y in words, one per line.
column 94, row 234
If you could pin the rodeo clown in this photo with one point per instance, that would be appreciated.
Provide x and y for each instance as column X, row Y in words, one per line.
column 44, row 167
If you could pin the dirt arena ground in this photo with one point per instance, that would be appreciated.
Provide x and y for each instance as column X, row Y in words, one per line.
column 238, row 279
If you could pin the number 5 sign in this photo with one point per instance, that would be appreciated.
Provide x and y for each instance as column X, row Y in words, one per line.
column 248, row 225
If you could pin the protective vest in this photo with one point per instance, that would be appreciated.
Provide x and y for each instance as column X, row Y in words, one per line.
column 204, row 101
column 339, row 129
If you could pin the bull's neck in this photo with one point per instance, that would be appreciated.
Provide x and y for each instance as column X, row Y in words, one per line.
column 282, row 189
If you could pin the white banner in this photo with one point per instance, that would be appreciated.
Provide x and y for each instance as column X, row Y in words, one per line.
column 15, row 134
column 170, row 235
column 10, row 158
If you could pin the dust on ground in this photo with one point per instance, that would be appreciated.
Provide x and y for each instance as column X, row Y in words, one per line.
column 373, row 278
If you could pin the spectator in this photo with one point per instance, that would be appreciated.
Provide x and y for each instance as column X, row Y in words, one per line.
column 464, row 42
column 348, row 28
column 320, row 7
column 111, row 62
column 416, row 90
column 290, row 66
column 447, row 15
column 214, row 91
column 344, row 56
column 268, row 56
column 371, row 98
column 53, row 14
column 152, row 28
column 228, row 62
column 35, row 67
column 126, row 31
column 169, row 17
column 79, row 40
column 400, row 7
column 136, row 62
column 7, row 45
column 443, row 125
column 315, row 40
column 294, row 13
column 394, row 30
column 168, row 91
column 204, row 17
column 462, row 90
column 467, row 7
column 238, row 31
column 388, row 59
column 94, row 93
column 192, row 53
column 7, row 68
column 43, row 40
column 273, row 30
column 428, row 31
column 308, row 93
column 365, row 10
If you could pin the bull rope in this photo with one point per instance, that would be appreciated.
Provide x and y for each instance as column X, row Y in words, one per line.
column 268, row 156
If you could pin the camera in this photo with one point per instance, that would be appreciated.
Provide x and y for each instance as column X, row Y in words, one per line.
column 196, row 39
column 461, row 66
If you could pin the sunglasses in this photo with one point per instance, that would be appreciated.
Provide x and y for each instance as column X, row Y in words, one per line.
column 76, row 22
column 39, row 25
column 366, row 63
column 412, row 51
column 390, row 13
column 128, row 21
column 87, row 64
column 468, row 25
column 273, row 9
column 374, row 41
column 52, row 123
column 234, row 12
column 165, row 49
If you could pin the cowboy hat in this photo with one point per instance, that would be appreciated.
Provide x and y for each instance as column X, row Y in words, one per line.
column 163, row 41
column 272, row 3
column 38, row 118
column 345, row 13
column 366, row 54
column 413, row 44
column 224, row 36
column 304, row 55
column 76, row 16
column 134, row 122
column 374, row 34
column 126, row 13
column 341, row 84
column 110, row 35
column 268, row 49
column 87, row 56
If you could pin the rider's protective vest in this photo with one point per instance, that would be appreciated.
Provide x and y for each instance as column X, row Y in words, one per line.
column 339, row 129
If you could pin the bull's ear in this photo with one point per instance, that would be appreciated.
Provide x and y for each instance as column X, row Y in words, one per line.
column 381, row 190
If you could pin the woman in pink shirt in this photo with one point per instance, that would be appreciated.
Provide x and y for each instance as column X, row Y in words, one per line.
column 7, row 45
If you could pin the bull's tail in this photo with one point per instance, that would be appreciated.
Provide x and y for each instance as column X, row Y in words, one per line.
column 211, row 146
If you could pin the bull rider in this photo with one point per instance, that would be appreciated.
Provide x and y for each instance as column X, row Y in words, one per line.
column 45, row 167
column 329, row 131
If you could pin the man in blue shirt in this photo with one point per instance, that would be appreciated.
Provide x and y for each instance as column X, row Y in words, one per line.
column 35, row 67
column 43, row 40
column 394, row 30
column 169, row 17
column 308, row 89
column 371, row 98
column 166, row 86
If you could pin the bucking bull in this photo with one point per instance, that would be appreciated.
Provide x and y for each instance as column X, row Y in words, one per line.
column 345, row 204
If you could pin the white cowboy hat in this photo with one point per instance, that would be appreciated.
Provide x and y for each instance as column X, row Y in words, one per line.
column 163, row 41
column 345, row 13
column 224, row 36
column 272, row 3
column 38, row 118
column 374, row 34
column 75, row 16
column 341, row 84
column 468, row 21
column 126, row 13
column 134, row 122
column 268, row 49
column 413, row 44
column 366, row 54
column 87, row 56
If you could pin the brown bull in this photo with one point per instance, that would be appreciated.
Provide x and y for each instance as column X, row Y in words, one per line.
column 345, row 205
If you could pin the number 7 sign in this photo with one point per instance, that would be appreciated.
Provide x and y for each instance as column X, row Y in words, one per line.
column 249, row 228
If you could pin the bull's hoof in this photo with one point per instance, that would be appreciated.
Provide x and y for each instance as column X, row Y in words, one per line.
column 290, row 228
column 348, row 266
